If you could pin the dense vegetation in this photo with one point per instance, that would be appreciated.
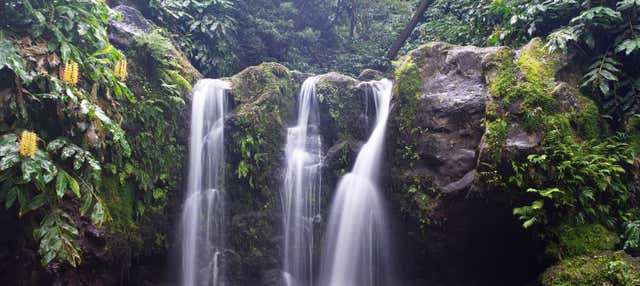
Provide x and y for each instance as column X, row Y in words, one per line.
column 80, row 119
column 64, row 156
column 225, row 36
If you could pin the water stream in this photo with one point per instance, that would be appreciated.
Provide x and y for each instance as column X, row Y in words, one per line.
column 203, row 216
column 301, row 191
column 356, row 247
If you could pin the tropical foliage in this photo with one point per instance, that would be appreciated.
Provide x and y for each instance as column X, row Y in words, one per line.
column 66, row 83
column 36, row 181
column 222, row 36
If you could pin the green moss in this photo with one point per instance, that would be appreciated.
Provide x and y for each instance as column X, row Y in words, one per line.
column 560, row 124
column 419, row 201
column 502, row 84
column 536, row 63
column 496, row 137
column 120, row 203
column 582, row 240
column 608, row 268
column 120, row 200
column 408, row 88
column 340, row 96
column 491, row 111
column 264, row 95
column 587, row 120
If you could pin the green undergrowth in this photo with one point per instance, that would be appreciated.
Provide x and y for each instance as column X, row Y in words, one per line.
column 264, row 96
column 584, row 239
column 607, row 268
column 576, row 184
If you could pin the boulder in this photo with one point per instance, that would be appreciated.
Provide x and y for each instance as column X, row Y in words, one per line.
column 132, row 23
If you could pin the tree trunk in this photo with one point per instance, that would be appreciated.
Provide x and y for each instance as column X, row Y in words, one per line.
column 397, row 45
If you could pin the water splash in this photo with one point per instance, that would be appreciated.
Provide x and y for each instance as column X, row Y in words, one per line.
column 301, row 191
column 203, row 215
column 356, row 248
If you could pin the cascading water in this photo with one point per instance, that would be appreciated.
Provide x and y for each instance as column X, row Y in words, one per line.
column 203, row 215
column 301, row 191
column 356, row 249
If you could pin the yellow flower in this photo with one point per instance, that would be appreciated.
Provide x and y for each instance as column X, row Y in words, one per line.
column 120, row 70
column 70, row 73
column 28, row 144
column 76, row 73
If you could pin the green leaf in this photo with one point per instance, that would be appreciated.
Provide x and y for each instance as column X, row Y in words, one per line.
column 98, row 216
column 9, row 161
column 73, row 185
column 69, row 151
column 536, row 205
column 55, row 145
column 628, row 4
column 29, row 169
column 35, row 203
column 529, row 222
column 85, row 206
column 61, row 183
column 12, row 194
column 629, row 46
column 8, row 144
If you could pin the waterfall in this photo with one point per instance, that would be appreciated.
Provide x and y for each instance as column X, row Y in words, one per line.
column 203, row 215
column 301, row 190
column 356, row 244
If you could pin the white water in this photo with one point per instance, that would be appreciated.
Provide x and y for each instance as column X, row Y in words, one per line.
column 356, row 249
column 301, row 191
column 203, row 215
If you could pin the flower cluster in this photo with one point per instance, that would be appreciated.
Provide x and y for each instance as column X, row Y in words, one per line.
column 28, row 144
column 70, row 73
column 120, row 70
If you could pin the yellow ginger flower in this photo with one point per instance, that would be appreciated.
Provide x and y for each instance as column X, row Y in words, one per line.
column 28, row 144
column 70, row 73
column 75, row 73
column 120, row 70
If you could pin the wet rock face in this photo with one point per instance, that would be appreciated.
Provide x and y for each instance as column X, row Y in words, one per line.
column 122, row 33
column 447, row 127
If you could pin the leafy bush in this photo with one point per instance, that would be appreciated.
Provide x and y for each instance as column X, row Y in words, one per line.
column 206, row 31
column 605, row 33
column 38, row 181
column 608, row 268
column 632, row 236
column 38, row 40
column 583, row 181
column 586, row 239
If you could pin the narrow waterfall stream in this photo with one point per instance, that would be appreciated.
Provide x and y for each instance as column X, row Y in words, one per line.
column 203, row 216
column 301, row 191
column 356, row 246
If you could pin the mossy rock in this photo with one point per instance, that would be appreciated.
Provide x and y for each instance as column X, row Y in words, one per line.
column 344, row 103
column 603, row 269
column 264, row 99
column 582, row 240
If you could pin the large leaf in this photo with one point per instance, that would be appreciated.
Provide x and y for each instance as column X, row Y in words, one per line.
column 73, row 184
column 61, row 183
column 36, row 202
column 57, row 238
column 12, row 194
column 629, row 46
column 598, row 16
column 9, row 161
column 8, row 144
column 628, row 4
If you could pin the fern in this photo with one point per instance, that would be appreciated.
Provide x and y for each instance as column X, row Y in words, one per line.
column 632, row 236
column 602, row 75
column 629, row 46
column 628, row 4
column 598, row 16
